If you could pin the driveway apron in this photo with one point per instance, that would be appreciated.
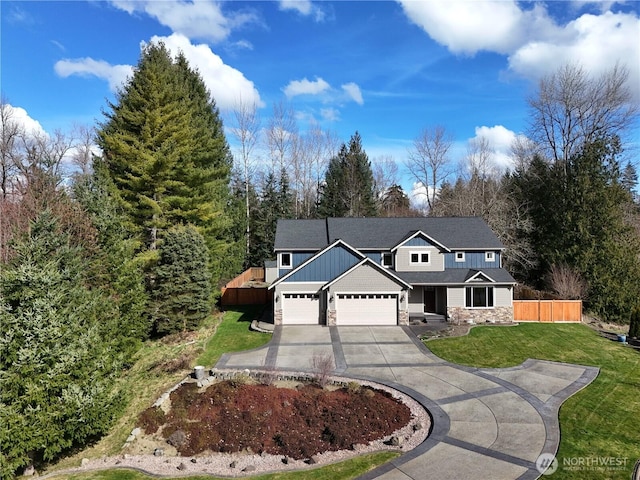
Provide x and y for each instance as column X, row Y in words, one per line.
column 486, row 423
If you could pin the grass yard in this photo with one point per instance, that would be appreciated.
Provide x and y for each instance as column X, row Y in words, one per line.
column 338, row 471
column 600, row 420
column 233, row 335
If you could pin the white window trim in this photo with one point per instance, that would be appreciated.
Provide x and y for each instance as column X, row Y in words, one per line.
column 493, row 295
column 489, row 256
column 461, row 259
column 281, row 265
column 419, row 253
column 382, row 255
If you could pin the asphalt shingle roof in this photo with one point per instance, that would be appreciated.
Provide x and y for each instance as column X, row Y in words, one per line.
column 385, row 233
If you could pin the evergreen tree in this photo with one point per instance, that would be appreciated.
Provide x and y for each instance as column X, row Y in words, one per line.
column 180, row 290
column 348, row 190
column 115, row 268
column 577, row 212
column 276, row 203
column 166, row 153
column 58, row 357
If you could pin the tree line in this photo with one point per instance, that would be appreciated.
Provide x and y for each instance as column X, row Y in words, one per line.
column 101, row 249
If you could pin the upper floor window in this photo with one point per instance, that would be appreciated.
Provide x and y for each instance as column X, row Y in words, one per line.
column 387, row 260
column 459, row 256
column 285, row 260
column 489, row 257
column 420, row 258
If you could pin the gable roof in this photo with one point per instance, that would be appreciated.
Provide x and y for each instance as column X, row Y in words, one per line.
column 311, row 259
column 455, row 233
column 367, row 261
column 420, row 233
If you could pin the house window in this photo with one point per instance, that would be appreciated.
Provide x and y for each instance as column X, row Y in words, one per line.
column 479, row 297
column 285, row 260
column 489, row 257
column 419, row 258
column 387, row 260
column 459, row 256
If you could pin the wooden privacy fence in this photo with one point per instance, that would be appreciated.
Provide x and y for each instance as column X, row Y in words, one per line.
column 234, row 293
column 547, row 310
column 246, row 296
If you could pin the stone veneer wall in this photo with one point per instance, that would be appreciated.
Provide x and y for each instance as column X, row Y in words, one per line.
column 403, row 318
column 277, row 317
column 331, row 318
column 480, row 315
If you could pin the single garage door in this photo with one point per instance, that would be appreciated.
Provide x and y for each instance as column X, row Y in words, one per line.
column 367, row 309
column 300, row 308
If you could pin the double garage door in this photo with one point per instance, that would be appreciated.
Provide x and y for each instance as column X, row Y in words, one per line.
column 367, row 309
column 351, row 309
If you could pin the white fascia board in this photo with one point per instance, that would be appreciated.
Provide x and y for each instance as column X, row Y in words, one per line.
column 313, row 257
column 420, row 232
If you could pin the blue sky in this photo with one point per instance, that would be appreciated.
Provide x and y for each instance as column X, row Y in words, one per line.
column 385, row 69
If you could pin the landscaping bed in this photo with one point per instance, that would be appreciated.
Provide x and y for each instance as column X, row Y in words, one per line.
column 297, row 423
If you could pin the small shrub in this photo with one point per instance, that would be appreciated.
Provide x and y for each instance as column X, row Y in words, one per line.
column 177, row 439
column 353, row 387
column 183, row 362
column 151, row 420
column 322, row 365
column 240, row 379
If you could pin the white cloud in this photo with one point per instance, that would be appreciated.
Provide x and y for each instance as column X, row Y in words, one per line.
column 534, row 42
column 468, row 27
column 303, row 7
column 500, row 140
column 596, row 42
column 202, row 19
column 330, row 114
column 354, row 92
column 306, row 87
column 20, row 117
column 115, row 75
column 227, row 85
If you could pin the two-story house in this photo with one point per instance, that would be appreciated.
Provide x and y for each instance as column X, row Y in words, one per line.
column 382, row 271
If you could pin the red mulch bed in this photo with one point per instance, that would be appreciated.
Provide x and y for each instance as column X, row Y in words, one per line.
column 297, row 423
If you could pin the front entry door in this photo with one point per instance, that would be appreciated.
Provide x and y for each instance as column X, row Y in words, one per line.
column 429, row 297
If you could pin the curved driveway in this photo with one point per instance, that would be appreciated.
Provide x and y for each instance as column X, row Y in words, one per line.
column 486, row 423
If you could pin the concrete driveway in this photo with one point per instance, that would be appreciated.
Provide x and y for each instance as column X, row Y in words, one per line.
column 486, row 423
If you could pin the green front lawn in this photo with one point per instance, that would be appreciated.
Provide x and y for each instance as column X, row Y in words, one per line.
column 338, row 471
column 233, row 335
column 599, row 423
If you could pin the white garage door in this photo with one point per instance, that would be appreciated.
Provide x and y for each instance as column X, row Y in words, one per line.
column 367, row 309
column 300, row 308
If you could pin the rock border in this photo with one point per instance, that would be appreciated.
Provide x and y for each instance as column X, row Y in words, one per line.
column 243, row 464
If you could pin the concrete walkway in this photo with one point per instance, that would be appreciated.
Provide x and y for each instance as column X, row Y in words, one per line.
column 486, row 423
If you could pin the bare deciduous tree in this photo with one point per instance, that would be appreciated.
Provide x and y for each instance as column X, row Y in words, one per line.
column 572, row 108
column 385, row 173
column 428, row 160
column 281, row 131
column 567, row 282
column 245, row 129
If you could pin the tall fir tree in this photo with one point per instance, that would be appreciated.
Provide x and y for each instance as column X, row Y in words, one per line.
column 348, row 189
column 166, row 153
